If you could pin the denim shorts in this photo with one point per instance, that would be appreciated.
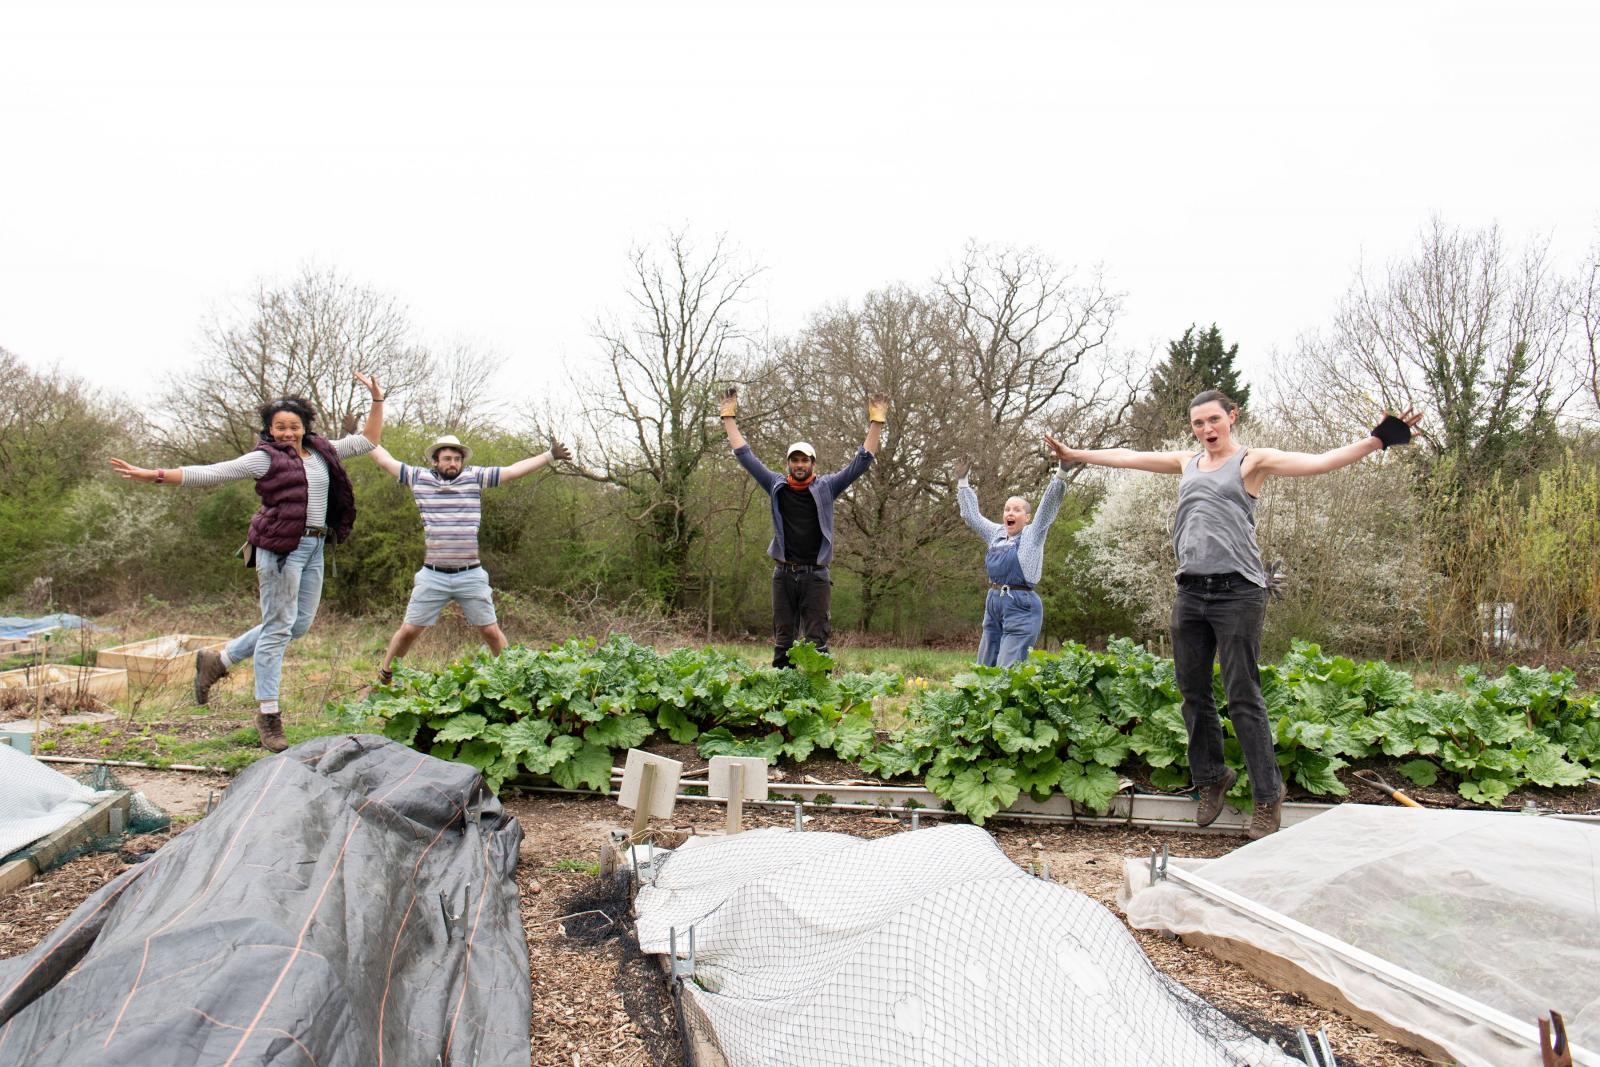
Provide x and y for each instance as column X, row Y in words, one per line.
column 431, row 591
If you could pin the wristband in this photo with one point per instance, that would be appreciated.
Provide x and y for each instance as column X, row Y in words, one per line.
column 1392, row 431
column 161, row 475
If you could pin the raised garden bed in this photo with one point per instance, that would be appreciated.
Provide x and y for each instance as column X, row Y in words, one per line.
column 61, row 684
column 158, row 660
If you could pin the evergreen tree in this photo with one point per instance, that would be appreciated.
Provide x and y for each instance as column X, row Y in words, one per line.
column 1197, row 361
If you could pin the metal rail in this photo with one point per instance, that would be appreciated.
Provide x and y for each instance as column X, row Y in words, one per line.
column 1506, row 1026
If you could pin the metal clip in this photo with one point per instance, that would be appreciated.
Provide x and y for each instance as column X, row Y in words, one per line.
column 681, row 968
column 799, row 815
column 914, row 813
column 1322, row 1055
column 1158, row 864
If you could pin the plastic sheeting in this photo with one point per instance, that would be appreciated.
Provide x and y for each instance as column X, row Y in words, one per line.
column 350, row 902
column 1501, row 908
column 36, row 800
column 21, row 626
column 928, row 948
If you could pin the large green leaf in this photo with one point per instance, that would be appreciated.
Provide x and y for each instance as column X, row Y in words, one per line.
column 1091, row 784
column 619, row 731
column 589, row 766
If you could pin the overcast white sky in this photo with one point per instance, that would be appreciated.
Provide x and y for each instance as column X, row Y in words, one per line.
column 490, row 165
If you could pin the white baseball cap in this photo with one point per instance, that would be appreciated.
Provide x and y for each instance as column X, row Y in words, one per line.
column 803, row 447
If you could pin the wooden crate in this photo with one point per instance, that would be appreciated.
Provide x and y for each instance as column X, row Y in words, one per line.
column 60, row 683
column 159, row 660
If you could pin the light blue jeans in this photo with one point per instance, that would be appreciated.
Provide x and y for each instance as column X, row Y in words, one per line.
column 289, row 601
column 1012, row 619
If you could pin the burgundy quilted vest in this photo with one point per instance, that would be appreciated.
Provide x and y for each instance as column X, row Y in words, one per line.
column 281, row 522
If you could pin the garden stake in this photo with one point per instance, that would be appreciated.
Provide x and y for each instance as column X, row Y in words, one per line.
column 734, row 822
column 641, row 814
column 799, row 815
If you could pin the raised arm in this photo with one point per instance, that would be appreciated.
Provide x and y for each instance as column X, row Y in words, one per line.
column 373, row 430
column 521, row 467
column 967, row 499
column 727, row 410
column 387, row 463
column 1050, row 505
column 877, row 415
column 1125, row 458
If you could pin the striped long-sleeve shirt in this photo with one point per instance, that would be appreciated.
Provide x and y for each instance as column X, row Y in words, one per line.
column 1030, row 546
column 256, row 463
column 451, row 511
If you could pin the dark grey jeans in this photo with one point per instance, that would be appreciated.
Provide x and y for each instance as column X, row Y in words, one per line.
column 801, row 600
column 1220, row 616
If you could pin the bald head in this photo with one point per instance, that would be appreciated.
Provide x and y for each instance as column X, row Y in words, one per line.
column 1017, row 514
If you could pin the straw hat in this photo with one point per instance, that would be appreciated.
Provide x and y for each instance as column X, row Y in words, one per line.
column 448, row 440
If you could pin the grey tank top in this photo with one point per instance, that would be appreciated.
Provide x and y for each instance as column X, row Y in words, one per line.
column 1215, row 531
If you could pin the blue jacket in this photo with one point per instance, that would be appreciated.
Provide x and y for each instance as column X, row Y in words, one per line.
column 824, row 489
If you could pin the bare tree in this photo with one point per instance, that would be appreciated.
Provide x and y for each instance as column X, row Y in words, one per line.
column 458, row 396
column 301, row 337
column 1028, row 335
column 1464, row 329
column 893, row 521
column 1585, row 317
column 652, row 412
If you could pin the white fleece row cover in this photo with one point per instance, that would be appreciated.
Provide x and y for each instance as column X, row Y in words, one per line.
column 926, row 948
column 35, row 800
column 1502, row 908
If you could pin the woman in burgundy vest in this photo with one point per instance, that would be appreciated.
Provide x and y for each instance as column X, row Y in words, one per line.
column 306, row 501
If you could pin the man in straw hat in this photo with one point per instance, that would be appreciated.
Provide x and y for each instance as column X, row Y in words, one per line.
column 449, row 494
column 802, row 525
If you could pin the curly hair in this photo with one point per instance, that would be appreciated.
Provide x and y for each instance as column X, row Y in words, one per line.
column 294, row 405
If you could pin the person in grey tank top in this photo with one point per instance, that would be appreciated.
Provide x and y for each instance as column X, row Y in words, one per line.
column 1222, row 586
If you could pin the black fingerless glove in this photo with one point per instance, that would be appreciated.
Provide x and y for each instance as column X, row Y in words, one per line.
column 1392, row 431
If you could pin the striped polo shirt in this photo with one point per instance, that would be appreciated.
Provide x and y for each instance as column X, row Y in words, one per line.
column 450, row 510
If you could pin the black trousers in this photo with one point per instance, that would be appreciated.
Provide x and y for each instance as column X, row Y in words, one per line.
column 801, row 598
column 1220, row 617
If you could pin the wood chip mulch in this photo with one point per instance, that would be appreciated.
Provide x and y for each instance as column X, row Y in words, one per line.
column 598, row 1003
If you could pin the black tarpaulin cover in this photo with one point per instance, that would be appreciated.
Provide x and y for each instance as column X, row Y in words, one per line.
column 350, row 902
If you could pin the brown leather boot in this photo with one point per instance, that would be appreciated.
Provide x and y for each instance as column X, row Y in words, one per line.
column 208, row 671
column 270, row 729
column 1210, row 805
column 1267, row 818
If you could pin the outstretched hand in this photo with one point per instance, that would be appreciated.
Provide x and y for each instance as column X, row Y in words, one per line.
column 559, row 451
column 132, row 473
column 371, row 382
column 878, row 407
column 963, row 468
column 730, row 403
column 1057, row 449
column 1396, row 429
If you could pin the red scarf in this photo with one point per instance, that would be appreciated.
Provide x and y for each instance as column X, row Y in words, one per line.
column 799, row 486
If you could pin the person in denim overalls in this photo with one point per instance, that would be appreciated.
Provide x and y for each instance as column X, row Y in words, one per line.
column 1013, row 614
column 1222, row 587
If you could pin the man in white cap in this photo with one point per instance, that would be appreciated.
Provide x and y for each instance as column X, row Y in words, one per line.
column 449, row 495
column 802, row 525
